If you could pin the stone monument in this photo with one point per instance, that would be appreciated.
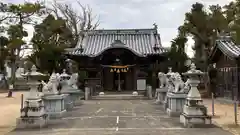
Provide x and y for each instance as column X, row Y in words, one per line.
column 176, row 98
column 53, row 100
column 33, row 113
column 162, row 90
column 194, row 112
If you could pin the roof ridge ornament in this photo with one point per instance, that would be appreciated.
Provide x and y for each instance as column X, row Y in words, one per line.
column 155, row 26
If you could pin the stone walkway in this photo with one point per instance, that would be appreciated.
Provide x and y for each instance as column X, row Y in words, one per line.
column 120, row 117
column 224, row 115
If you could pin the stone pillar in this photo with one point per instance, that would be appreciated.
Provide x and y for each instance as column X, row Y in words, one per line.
column 135, row 78
column 149, row 91
column 87, row 92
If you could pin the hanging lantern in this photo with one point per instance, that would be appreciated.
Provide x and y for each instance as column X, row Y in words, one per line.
column 122, row 70
column 115, row 69
column 118, row 71
column 125, row 70
column 111, row 70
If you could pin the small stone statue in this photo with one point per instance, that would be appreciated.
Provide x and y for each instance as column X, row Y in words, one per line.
column 163, row 81
column 170, row 78
column 51, row 86
column 178, row 83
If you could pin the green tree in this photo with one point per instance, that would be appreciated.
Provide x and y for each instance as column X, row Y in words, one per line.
column 3, row 52
column 203, row 26
column 17, row 15
column 177, row 53
column 50, row 39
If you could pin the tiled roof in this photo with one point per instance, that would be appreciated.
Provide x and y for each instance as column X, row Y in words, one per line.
column 227, row 47
column 142, row 42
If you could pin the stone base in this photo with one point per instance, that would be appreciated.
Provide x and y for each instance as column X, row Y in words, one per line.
column 32, row 122
column 55, row 105
column 68, row 102
column 56, row 115
column 165, row 105
column 176, row 102
column 172, row 113
column 157, row 102
column 191, row 121
column 195, row 110
column 75, row 97
column 78, row 103
column 161, row 92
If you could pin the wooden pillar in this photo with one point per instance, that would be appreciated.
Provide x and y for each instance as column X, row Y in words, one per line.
column 154, row 77
column 237, row 79
column 101, row 77
column 135, row 78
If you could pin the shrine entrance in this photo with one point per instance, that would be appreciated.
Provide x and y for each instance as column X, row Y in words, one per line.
column 118, row 70
column 118, row 78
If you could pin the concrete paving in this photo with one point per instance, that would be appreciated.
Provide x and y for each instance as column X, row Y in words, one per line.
column 119, row 117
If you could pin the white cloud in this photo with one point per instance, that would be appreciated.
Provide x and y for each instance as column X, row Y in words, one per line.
column 168, row 14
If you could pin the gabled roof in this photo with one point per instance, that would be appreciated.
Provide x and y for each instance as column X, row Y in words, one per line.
column 141, row 42
column 226, row 45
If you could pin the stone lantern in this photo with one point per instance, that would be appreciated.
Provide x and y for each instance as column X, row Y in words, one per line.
column 194, row 112
column 33, row 113
column 69, row 87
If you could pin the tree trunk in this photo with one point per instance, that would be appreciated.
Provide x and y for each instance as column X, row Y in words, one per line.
column 13, row 78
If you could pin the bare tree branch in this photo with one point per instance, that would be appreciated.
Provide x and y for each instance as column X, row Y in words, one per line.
column 77, row 21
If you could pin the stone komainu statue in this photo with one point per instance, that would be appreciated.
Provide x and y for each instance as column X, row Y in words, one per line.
column 163, row 81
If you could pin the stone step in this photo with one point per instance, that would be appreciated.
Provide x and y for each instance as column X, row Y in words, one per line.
column 119, row 97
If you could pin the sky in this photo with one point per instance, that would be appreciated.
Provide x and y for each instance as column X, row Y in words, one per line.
column 167, row 14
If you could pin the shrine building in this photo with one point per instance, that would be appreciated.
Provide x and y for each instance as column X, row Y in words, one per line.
column 120, row 59
column 226, row 56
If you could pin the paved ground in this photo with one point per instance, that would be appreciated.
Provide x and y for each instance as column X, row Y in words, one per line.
column 120, row 117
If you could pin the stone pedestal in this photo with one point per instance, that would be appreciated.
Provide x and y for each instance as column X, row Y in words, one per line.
column 55, row 105
column 195, row 115
column 175, row 103
column 32, row 122
column 161, row 94
column 33, row 115
column 73, row 98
